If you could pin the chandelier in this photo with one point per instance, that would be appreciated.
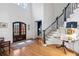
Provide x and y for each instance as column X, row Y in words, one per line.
column 23, row 5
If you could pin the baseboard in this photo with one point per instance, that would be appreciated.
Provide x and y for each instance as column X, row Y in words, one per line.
column 45, row 45
column 77, row 54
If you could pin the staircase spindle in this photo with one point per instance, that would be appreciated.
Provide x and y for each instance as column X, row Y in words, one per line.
column 76, row 5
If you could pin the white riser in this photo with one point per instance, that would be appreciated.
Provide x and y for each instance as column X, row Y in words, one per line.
column 78, row 5
column 74, row 15
column 50, row 39
column 54, row 41
column 68, row 19
column 73, row 19
column 76, row 10
column 52, row 36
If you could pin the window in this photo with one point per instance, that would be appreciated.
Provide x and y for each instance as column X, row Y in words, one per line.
column 23, row 5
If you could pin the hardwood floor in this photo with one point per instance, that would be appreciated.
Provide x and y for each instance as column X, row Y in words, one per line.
column 36, row 49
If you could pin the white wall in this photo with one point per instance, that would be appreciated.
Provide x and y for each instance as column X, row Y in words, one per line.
column 59, row 8
column 10, row 13
column 48, row 14
column 37, row 11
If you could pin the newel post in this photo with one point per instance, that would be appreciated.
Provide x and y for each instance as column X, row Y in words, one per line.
column 64, row 14
column 57, row 22
column 44, row 36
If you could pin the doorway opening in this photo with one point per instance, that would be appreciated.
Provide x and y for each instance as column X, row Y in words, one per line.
column 39, row 28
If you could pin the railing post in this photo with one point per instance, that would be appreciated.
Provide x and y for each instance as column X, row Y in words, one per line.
column 57, row 22
column 44, row 37
column 71, row 7
column 76, row 5
column 65, row 14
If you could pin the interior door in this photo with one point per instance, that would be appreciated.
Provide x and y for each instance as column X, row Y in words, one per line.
column 19, row 31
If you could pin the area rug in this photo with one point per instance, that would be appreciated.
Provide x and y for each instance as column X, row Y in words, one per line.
column 20, row 44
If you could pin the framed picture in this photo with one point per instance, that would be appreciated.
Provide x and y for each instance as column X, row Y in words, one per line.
column 3, row 25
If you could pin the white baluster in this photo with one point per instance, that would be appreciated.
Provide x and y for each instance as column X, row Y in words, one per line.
column 78, row 5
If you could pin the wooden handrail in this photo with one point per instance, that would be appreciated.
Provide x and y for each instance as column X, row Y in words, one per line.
column 58, row 17
column 50, row 25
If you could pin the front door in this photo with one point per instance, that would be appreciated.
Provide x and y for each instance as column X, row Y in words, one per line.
column 19, row 31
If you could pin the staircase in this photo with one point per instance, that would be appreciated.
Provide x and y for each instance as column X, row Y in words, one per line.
column 69, row 13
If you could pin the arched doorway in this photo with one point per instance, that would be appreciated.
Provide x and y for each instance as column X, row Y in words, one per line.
column 19, row 31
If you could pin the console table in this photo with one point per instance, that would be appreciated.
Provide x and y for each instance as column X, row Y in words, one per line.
column 63, row 44
column 4, row 44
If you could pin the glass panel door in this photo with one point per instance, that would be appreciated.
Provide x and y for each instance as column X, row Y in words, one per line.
column 23, row 29
column 19, row 31
column 16, row 29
